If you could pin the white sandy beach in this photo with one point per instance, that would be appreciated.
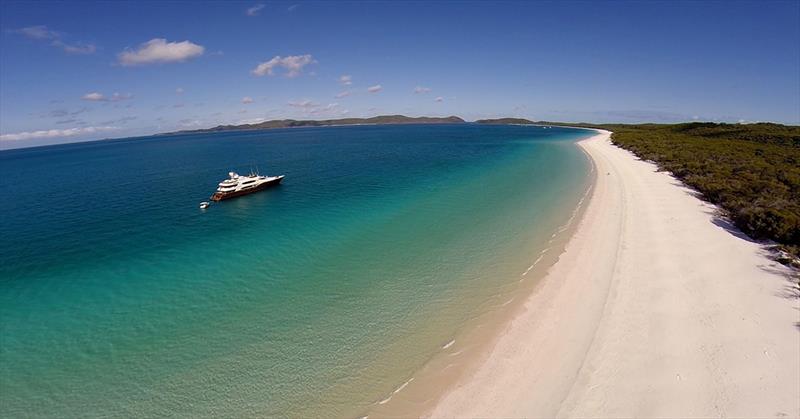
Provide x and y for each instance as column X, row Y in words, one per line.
column 655, row 309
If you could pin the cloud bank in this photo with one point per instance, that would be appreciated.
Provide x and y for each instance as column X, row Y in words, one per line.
column 53, row 133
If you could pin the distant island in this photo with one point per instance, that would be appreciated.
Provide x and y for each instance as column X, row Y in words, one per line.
column 375, row 120
column 506, row 121
column 291, row 123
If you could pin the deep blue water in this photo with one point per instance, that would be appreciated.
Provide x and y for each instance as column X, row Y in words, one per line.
column 119, row 297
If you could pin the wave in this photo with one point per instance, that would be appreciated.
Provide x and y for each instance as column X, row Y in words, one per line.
column 399, row 389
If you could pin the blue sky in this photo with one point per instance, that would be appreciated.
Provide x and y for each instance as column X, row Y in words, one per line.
column 73, row 71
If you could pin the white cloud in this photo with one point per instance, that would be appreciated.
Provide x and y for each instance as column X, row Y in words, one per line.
column 247, row 99
column 324, row 109
column 38, row 32
column 342, row 94
column 94, row 96
column 255, row 10
column 43, row 33
column 420, row 89
column 78, row 48
column 53, row 133
column 99, row 97
column 375, row 89
column 60, row 113
column 439, row 99
column 292, row 8
column 346, row 80
column 251, row 121
column 293, row 64
column 158, row 50
column 179, row 91
column 302, row 104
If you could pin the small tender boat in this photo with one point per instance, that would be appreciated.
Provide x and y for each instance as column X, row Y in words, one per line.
column 204, row 205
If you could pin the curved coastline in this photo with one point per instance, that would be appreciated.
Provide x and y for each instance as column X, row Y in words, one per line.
column 651, row 311
column 391, row 328
column 461, row 356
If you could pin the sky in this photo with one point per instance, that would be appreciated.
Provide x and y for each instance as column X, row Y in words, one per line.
column 76, row 71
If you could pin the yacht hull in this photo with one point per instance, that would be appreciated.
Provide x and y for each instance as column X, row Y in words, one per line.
column 221, row 196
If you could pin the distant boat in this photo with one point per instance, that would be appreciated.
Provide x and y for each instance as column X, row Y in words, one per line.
column 238, row 185
column 204, row 205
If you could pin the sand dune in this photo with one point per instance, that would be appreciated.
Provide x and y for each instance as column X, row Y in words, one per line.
column 656, row 309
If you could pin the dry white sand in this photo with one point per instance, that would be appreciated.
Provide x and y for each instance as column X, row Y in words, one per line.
column 654, row 310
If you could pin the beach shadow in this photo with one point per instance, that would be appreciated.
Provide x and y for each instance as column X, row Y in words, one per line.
column 718, row 218
column 726, row 224
column 791, row 274
column 689, row 191
column 769, row 250
column 791, row 289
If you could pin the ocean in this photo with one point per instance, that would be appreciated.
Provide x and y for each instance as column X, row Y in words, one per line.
column 320, row 297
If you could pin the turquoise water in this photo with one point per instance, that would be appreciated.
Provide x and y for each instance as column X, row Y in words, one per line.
column 119, row 297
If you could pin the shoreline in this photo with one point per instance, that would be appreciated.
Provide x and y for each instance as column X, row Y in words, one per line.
column 652, row 310
column 460, row 355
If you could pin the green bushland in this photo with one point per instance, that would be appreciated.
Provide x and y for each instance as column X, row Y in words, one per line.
column 751, row 171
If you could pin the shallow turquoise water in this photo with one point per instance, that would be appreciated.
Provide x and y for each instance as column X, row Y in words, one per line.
column 119, row 297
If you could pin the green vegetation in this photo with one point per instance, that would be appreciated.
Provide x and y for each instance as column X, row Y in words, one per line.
column 375, row 120
column 752, row 171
